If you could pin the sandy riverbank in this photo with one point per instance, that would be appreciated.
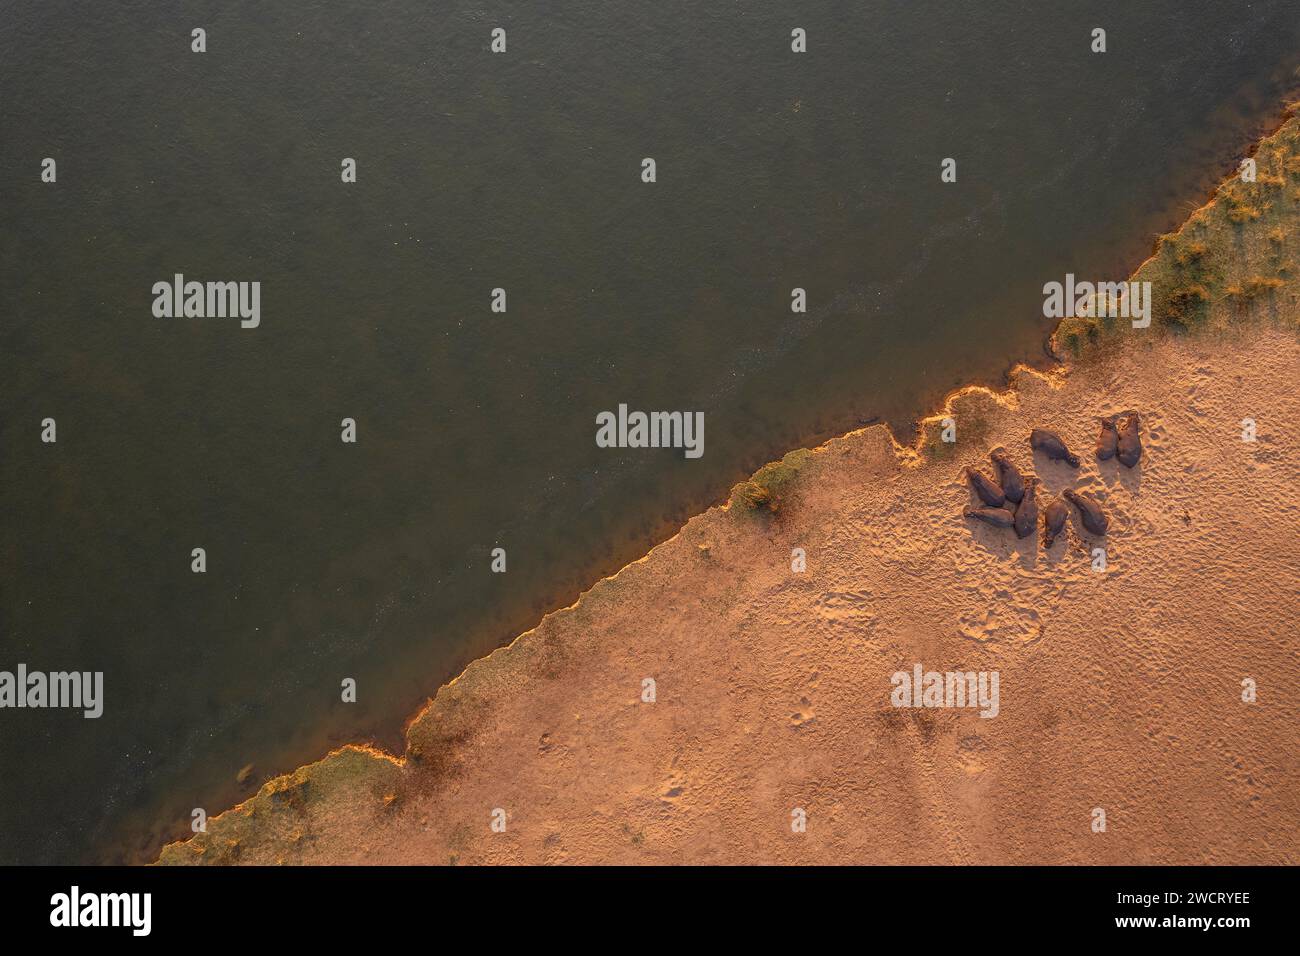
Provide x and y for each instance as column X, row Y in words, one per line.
column 1119, row 690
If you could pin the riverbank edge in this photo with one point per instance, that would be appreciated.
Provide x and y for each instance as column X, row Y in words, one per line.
column 1192, row 287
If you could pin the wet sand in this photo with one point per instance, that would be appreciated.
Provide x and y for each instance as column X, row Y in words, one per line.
column 1120, row 690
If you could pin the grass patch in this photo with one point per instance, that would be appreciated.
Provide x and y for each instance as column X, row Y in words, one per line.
column 1254, row 287
column 1185, row 304
column 1077, row 333
column 1191, row 253
column 1241, row 212
column 771, row 486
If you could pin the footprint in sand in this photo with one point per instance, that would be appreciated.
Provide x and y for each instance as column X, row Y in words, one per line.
column 1154, row 438
column 1243, row 778
column 1012, row 615
column 970, row 755
column 1002, row 624
column 1261, row 453
column 673, row 787
column 804, row 716
column 1195, row 390
column 845, row 613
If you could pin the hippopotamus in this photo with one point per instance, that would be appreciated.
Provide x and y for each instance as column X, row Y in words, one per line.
column 1027, row 511
column 1130, row 441
column 1053, row 446
column 1107, row 440
column 1094, row 519
column 986, row 488
column 1054, row 518
column 998, row 517
column 1013, row 485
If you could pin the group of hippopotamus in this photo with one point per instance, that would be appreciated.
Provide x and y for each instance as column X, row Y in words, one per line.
column 1011, row 501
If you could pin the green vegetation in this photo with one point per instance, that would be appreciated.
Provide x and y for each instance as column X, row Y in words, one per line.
column 282, row 813
column 1231, row 254
column 1184, row 305
column 770, row 488
column 1253, row 287
column 970, row 412
column 1191, row 254
column 1076, row 334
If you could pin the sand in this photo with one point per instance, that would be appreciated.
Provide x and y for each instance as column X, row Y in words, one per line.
column 1120, row 690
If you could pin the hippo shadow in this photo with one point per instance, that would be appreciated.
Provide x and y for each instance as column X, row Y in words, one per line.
column 1054, row 473
column 1113, row 474
column 1054, row 555
column 1002, row 543
column 1073, row 532
column 1083, row 535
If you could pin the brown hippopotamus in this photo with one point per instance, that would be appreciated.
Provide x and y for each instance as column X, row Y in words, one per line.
column 1054, row 518
column 1094, row 519
column 1107, row 440
column 1053, row 446
column 986, row 488
column 1027, row 511
column 1013, row 485
column 1130, row 441
column 998, row 517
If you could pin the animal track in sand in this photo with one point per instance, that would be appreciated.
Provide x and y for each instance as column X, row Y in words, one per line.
column 673, row 787
column 1261, row 453
column 1195, row 398
column 804, row 717
column 1016, row 610
column 1242, row 777
column 842, row 613
column 970, row 754
column 1021, row 625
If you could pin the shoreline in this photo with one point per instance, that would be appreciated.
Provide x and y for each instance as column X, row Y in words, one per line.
column 444, row 723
